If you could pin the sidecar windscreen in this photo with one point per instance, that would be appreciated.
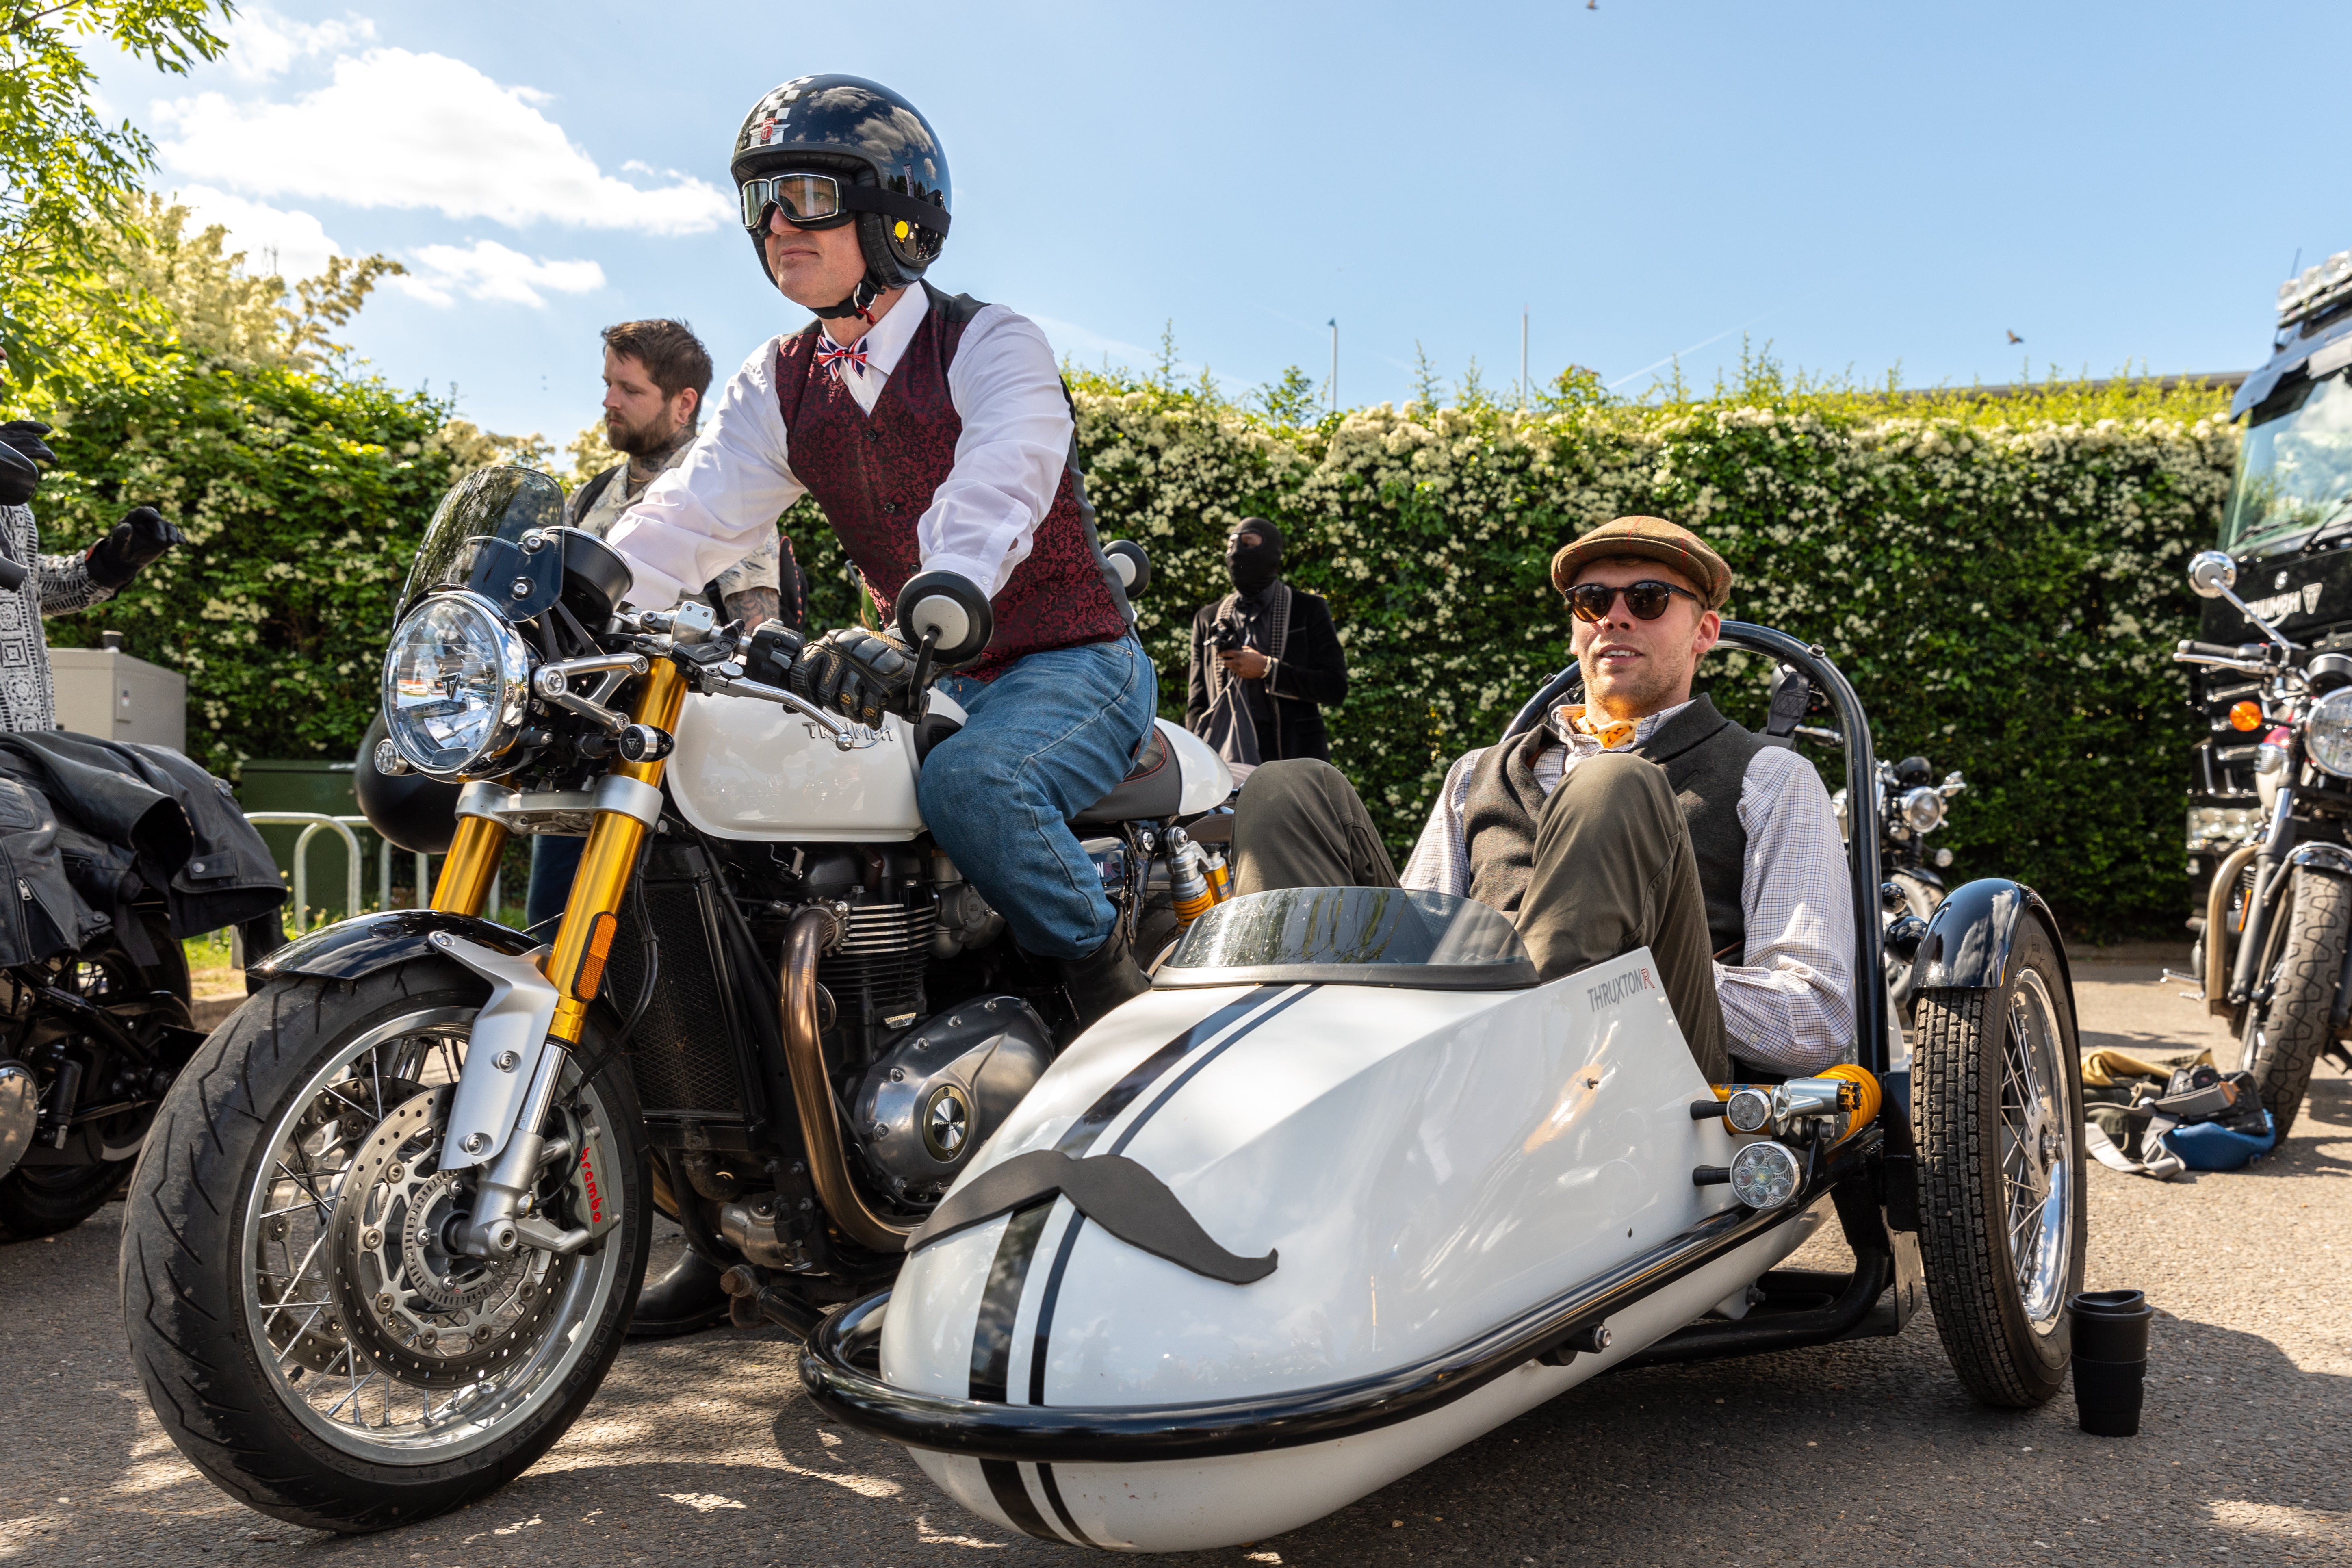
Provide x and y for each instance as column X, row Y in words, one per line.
column 1352, row 936
column 475, row 542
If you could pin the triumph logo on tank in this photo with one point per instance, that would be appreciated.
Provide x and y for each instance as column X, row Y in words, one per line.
column 860, row 735
column 2295, row 601
column 1609, row 993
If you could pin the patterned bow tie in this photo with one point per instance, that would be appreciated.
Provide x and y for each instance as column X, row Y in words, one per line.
column 828, row 356
column 1611, row 732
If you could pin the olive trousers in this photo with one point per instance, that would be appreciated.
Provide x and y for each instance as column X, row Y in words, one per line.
column 1613, row 871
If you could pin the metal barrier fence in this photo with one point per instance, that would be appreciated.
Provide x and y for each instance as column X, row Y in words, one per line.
column 314, row 822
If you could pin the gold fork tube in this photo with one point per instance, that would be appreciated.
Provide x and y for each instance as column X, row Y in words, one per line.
column 609, row 859
column 471, row 866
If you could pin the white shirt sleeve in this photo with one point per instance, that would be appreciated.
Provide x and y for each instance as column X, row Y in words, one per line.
column 1790, row 1005
column 703, row 516
column 1007, row 390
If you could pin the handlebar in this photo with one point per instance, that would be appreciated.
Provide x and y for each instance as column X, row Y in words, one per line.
column 2215, row 649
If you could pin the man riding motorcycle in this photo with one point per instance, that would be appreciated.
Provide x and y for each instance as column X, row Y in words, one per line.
column 1642, row 817
column 936, row 435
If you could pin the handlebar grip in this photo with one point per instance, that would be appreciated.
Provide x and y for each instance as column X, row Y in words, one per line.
column 2212, row 649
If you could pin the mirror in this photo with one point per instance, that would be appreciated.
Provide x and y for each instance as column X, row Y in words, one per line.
column 2211, row 573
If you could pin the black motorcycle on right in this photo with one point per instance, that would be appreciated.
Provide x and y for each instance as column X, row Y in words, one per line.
column 2269, row 849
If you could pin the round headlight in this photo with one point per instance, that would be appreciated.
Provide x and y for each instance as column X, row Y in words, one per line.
column 1923, row 808
column 1765, row 1176
column 454, row 691
column 2327, row 732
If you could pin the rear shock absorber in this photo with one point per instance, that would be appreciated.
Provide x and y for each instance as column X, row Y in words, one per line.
column 1188, row 879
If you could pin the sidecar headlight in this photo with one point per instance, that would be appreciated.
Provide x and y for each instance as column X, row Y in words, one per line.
column 454, row 685
column 1767, row 1176
column 2327, row 731
column 1923, row 808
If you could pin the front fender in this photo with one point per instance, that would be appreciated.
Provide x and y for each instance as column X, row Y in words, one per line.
column 358, row 947
column 1973, row 932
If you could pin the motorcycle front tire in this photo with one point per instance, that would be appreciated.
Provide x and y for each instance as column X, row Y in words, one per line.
column 2284, row 1037
column 185, row 1247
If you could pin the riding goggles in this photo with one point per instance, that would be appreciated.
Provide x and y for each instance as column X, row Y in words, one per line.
column 1647, row 599
column 822, row 200
column 808, row 200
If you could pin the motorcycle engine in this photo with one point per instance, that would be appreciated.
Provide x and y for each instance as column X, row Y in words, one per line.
column 935, row 1096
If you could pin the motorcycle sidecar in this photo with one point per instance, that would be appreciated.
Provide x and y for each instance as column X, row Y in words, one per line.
column 1350, row 1188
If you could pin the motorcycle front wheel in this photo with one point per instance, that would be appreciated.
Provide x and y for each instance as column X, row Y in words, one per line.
column 2285, row 1036
column 353, row 1377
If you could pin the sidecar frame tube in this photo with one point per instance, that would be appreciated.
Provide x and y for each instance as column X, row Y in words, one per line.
column 1292, row 1418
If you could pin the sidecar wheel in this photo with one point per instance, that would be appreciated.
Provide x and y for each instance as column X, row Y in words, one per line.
column 309, row 1369
column 1996, row 1096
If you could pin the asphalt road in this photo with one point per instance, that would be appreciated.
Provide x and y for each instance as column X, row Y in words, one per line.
column 702, row 1451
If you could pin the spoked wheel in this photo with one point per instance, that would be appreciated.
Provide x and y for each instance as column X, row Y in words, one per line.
column 2285, row 1034
column 307, row 1331
column 38, row 1199
column 1997, row 1091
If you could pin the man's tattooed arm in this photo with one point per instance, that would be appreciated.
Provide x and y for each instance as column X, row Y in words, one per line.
column 753, row 605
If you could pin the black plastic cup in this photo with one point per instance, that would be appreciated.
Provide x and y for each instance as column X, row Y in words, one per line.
column 2110, row 1333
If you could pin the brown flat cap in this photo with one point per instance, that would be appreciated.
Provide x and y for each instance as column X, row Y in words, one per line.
column 1650, row 539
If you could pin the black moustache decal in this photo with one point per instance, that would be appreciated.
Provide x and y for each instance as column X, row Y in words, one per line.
column 1115, row 1192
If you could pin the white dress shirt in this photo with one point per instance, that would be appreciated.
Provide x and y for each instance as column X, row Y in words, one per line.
column 1788, row 1003
column 702, row 516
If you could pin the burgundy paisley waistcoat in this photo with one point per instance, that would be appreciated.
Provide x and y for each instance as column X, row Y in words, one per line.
column 875, row 475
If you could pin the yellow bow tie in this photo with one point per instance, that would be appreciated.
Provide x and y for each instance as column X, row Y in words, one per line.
column 1611, row 732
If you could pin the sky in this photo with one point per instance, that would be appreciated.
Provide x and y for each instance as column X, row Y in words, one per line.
column 1864, row 188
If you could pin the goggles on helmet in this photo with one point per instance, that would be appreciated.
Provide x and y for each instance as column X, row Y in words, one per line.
column 807, row 200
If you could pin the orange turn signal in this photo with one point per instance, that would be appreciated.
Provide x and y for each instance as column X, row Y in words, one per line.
column 2246, row 716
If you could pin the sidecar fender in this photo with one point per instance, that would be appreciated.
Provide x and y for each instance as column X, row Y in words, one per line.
column 1973, row 934
column 357, row 948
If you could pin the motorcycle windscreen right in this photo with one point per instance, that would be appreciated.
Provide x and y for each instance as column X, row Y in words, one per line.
column 475, row 540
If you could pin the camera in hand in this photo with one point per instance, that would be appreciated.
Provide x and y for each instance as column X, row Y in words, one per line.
column 1227, row 634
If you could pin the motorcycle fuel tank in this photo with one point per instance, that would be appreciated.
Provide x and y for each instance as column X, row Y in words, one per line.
column 751, row 771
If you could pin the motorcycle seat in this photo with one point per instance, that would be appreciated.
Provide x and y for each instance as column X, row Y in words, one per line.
column 1152, row 787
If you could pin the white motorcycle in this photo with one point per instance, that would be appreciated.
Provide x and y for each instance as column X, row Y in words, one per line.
column 391, row 1225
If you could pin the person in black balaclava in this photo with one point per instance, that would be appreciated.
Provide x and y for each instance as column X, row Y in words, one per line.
column 1267, row 650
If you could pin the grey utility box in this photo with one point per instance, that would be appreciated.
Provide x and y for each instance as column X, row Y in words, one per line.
column 105, row 692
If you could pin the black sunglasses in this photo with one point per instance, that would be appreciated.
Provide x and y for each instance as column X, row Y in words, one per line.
column 1647, row 600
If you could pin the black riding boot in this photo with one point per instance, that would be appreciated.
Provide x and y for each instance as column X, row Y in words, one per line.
column 1102, row 980
column 683, row 1301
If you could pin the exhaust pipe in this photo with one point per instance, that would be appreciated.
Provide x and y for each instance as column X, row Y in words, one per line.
column 804, row 939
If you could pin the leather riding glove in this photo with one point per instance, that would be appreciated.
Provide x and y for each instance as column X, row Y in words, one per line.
column 25, row 436
column 18, row 477
column 858, row 674
column 138, row 540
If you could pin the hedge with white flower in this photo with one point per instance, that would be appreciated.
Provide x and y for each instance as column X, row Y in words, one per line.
column 2002, row 579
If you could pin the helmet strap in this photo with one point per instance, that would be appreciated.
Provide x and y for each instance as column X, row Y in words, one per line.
column 859, row 303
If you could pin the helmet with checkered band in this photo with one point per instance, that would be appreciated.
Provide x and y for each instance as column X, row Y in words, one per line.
column 892, row 169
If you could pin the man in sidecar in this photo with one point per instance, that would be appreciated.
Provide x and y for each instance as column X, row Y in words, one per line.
column 935, row 432
column 1641, row 818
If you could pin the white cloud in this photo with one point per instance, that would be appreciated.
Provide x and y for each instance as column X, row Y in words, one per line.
column 488, row 270
column 291, row 244
column 402, row 130
column 262, row 44
column 1087, row 346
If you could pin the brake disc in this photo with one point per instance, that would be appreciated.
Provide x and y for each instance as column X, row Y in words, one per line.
column 423, row 1314
column 336, row 1121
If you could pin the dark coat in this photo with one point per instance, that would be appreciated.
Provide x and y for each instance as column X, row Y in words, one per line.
column 1309, row 674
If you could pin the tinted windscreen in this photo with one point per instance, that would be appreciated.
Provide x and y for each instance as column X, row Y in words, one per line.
column 2294, row 468
column 490, row 503
column 1352, row 936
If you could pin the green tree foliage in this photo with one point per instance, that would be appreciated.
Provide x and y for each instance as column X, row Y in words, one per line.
column 2000, row 578
column 67, row 178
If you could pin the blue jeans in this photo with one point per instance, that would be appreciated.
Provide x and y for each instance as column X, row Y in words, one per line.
column 1047, row 739
column 553, row 863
